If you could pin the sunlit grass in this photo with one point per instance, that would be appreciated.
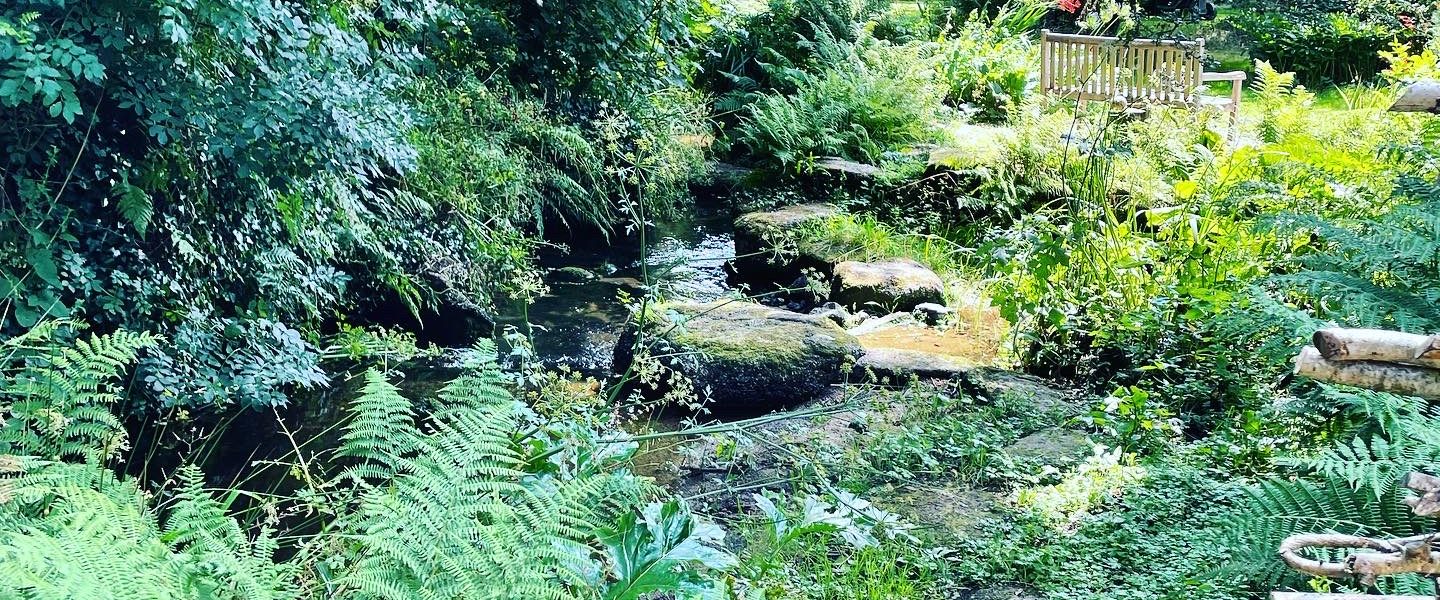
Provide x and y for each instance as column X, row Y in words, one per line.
column 863, row 238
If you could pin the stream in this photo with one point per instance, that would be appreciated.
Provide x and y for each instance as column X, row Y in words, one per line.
column 577, row 323
column 574, row 326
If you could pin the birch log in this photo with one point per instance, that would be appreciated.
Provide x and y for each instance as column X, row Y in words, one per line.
column 1421, row 96
column 1378, row 344
column 1389, row 557
column 1385, row 377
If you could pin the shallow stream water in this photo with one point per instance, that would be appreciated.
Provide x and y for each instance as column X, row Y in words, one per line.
column 577, row 324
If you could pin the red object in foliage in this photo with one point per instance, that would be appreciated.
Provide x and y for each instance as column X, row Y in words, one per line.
column 1072, row 6
column 1407, row 21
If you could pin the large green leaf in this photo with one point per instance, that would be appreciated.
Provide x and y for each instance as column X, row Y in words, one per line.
column 659, row 551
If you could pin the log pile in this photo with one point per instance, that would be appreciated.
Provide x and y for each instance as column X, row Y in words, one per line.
column 1386, row 361
column 1385, row 557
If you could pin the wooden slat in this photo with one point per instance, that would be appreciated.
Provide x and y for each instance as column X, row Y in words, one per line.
column 1097, row 39
column 1100, row 68
column 1045, row 83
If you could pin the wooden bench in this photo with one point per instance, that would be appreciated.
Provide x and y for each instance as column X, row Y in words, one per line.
column 1141, row 71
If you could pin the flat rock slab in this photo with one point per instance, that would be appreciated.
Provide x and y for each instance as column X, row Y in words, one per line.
column 897, row 285
column 832, row 163
column 1056, row 447
column 948, row 511
column 1044, row 399
column 899, row 365
column 743, row 357
column 1003, row 592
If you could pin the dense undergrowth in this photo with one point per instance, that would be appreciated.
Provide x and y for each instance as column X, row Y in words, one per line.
column 247, row 201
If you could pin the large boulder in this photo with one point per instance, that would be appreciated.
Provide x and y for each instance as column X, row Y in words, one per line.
column 767, row 251
column 742, row 357
column 898, row 285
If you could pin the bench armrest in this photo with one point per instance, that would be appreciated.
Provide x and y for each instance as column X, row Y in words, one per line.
column 1230, row 76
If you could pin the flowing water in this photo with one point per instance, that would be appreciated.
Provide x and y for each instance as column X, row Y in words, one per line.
column 577, row 324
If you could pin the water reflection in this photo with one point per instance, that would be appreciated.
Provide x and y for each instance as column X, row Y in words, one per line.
column 577, row 324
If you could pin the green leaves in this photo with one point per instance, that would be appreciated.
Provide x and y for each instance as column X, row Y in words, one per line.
column 659, row 550
column 134, row 204
column 58, row 394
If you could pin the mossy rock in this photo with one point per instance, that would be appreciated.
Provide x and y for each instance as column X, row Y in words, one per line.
column 743, row 357
column 1055, row 447
column 572, row 275
column 768, row 250
column 896, row 285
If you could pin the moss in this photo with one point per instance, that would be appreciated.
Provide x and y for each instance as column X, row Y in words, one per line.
column 751, row 356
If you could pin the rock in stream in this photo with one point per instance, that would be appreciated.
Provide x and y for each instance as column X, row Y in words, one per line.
column 744, row 357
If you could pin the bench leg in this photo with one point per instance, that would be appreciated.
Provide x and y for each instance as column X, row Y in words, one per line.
column 1235, row 93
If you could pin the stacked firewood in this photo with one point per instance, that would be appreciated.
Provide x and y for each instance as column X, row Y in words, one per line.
column 1387, row 361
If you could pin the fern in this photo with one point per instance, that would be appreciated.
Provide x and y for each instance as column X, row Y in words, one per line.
column 1382, row 272
column 75, row 531
column 1281, row 102
column 380, row 431
column 456, row 512
column 58, row 397
column 1351, row 487
column 135, row 205
column 1279, row 508
column 200, row 527
column 451, row 505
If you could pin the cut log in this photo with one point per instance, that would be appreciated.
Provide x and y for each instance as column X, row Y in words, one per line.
column 1415, row 558
column 1290, row 552
column 1421, row 96
column 1388, row 557
column 1385, row 377
column 1379, row 345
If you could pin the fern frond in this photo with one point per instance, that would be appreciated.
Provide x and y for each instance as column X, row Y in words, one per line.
column 59, row 397
column 1279, row 508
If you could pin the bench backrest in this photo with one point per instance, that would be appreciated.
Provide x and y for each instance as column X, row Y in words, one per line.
column 1092, row 67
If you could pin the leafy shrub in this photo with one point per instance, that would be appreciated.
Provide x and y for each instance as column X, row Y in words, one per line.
column 835, row 547
column 1160, row 539
column 771, row 50
column 214, row 170
column 943, row 438
column 871, row 98
column 1329, row 40
column 988, row 64
column 214, row 361
column 1134, row 420
column 1101, row 478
